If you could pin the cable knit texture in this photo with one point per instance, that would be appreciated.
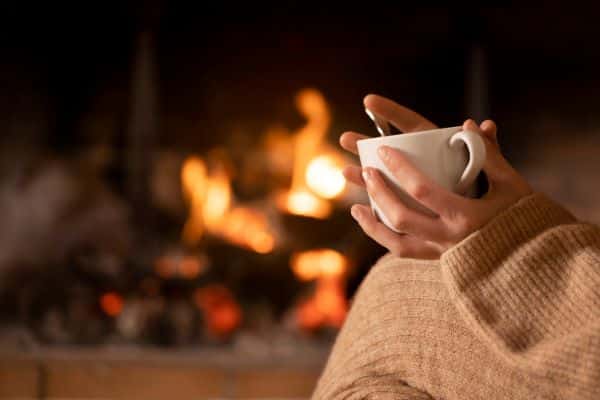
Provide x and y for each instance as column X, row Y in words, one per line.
column 511, row 312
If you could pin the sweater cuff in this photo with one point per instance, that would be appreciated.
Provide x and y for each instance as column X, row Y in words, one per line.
column 485, row 248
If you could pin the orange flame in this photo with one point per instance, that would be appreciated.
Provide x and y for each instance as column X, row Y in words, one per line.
column 328, row 305
column 313, row 264
column 324, row 176
column 246, row 227
column 111, row 303
column 211, row 200
column 194, row 182
column 221, row 312
column 301, row 198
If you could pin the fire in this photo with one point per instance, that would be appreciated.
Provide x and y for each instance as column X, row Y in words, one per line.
column 247, row 227
column 221, row 312
column 211, row 209
column 313, row 264
column 324, row 176
column 217, row 199
column 313, row 107
column 328, row 305
column 111, row 303
column 313, row 175
column 194, row 182
column 303, row 202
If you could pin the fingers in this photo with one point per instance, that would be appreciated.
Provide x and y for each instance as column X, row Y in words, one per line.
column 487, row 129
column 418, row 185
column 353, row 174
column 470, row 125
column 401, row 217
column 496, row 167
column 399, row 245
column 348, row 141
column 405, row 119
column 490, row 130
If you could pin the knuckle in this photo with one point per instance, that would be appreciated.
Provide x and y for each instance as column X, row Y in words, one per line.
column 419, row 190
column 398, row 220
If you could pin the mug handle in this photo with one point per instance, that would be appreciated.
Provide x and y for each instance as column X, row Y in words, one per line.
column 477, row 154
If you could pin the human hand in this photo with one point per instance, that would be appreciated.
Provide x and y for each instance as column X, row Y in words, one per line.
column 456, row 216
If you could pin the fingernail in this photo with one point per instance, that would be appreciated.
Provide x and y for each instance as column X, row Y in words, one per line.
column 384, row 152
column 366, row 174
column 355, row 212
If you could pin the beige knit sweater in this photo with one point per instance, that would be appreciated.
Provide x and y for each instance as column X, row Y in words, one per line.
column 511, row 312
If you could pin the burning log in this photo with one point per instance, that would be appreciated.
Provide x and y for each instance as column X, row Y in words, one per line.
column 211, row 209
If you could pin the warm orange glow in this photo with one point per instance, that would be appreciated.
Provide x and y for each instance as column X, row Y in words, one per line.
column 249, row 228
column 327, row 307
column 313, row 264
column 212, row 210
column 165, row 267
column 313, row 107
column 190, row 267
column 307, row 142
column 303, row 202
column 221, row 312
column 179, row 266
column 324, row 176
column 111, row 303
column 218, row 198
column 194, row 182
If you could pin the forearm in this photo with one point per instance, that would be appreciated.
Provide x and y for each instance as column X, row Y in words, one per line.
column 529, row 284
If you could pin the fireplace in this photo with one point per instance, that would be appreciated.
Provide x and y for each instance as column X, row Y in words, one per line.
column 172, row 203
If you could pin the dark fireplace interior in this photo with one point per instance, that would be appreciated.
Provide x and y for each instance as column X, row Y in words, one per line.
column 171, row 181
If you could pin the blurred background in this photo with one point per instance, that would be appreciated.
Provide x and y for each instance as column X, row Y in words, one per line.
column 174, row 218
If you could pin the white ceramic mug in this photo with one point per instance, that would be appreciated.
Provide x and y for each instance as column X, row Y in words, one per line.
column 450, row 156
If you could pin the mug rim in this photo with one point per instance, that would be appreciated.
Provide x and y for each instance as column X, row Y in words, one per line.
column 410, row 134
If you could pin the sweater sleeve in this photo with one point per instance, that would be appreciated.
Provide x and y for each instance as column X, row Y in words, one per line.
column 528, row 284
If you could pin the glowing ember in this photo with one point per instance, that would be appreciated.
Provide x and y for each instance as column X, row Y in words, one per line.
column 179, row 266
column 190, row 267
column 211, row 209
column 324, row 176
column 319, row 263
column 221, row 312
column 111, row 303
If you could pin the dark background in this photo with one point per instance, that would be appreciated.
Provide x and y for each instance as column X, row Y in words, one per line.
column 221, row 64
